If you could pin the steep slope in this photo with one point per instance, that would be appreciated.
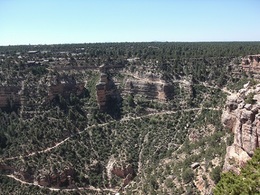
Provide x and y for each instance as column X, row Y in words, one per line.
column 242, row 117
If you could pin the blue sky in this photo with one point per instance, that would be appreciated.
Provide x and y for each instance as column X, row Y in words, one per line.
column 84, row 21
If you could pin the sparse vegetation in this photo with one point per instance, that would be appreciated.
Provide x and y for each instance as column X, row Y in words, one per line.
column 52, row 129
column 249, row 98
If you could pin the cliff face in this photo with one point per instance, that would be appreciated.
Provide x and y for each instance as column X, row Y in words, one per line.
column 64, row 86
column 149, row 86
column 126, row 173
column 242, row 117
column 107, row 93
column 253, row 60
column 251, row 63
column 150, row 90
column 15, row 96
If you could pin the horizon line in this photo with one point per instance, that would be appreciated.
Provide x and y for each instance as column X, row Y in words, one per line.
column 111, row 42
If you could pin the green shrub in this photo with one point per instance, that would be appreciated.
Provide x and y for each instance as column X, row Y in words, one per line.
column 247, row 182
column 187, row 175
column 249, row 98
column 215, row 174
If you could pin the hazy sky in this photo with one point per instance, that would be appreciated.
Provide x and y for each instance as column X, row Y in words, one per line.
column 83, row 21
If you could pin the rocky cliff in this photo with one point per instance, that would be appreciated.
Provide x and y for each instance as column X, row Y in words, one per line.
column 64, row 85
column 28, row 94
column 242, row 117
column 107, row 93
column 150, row 89
column 151, row 86
column 253, row 60
column 144, row 85
column 251, row 63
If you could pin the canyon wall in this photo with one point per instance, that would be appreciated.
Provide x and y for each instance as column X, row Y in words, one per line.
column 253, row 60
column 107, row 93
column 150, row 90
column 15, row 96
column 242, row 117
column 64, row 86
column 251, row 63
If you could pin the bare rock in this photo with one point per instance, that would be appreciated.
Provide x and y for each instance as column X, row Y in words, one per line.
column 107, row 94
column 244, row 121
column 248, row 106
column 125, row 172
column 195, row 165
column 235, row 158
column 64, row 86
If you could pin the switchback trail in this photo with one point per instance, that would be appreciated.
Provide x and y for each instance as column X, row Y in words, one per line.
column 92, row 188
column 99, row 125
column 102, row 125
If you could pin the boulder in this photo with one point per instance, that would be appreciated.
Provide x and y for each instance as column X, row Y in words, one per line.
column 195, row 165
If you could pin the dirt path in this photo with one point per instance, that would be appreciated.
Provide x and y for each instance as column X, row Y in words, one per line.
column 28, row 183
column 41, row 151
column 145, row 80
column 222, row 89
column 58, row 189
column 99, row 125
column 102, row 125
column 156, row 81
column 145, row 140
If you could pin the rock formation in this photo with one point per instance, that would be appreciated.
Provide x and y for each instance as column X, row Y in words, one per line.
column 64, row 86
column 150, row 90
column 126, row 173
column 101, row 88
column 149, row 86
column 251, row 63
column 13, row 97
column 253, row 60
column 59, row 179
column 107, row 93
column 242, row 117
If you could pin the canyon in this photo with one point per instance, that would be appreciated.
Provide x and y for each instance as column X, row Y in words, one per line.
column 119, row 119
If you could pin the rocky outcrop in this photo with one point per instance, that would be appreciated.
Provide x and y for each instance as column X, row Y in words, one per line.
column 107, row 93
column 253, row 60
column 126, row 173
column 64, row 86
column 150, row 90
column 13, row 97
column 119, row 169
column 150, row 86
column 101, row 89
column 45, row 178
column 59, row 179
column 251, row 63
column 242, row 117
